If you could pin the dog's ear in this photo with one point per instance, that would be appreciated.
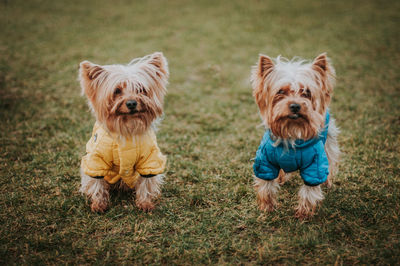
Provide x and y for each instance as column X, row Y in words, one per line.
column 87, row 73
column 265, row 66
column 323, row 67
column 321, row 64
column 260, row 71
column 160, row 62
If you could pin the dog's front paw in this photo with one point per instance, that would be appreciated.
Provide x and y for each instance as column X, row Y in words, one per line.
column 99, row 206
column 303, row 211
column 303, row 215
column 145, row 205
column 266, row 205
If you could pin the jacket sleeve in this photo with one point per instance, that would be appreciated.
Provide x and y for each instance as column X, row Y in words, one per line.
column 98, row 158
column 317, row 171
column 263, row 167
column 152, row 162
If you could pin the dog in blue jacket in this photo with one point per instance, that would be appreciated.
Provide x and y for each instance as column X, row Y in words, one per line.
column 293, row 97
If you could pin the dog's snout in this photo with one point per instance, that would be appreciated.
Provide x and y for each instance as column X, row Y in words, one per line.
column 294, row 107
column 131, row 104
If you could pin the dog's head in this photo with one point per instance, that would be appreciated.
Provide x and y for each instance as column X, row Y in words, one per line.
column 293, row 96
column 126, row 98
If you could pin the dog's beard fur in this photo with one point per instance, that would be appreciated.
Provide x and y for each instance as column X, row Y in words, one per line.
column 301, row 128
column 277, row 85
column 109, row 87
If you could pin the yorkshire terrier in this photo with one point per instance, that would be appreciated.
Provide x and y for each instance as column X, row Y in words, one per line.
column 122, row 152
column 293, row 97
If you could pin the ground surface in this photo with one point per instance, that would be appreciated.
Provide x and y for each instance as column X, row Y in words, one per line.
column 207, row 213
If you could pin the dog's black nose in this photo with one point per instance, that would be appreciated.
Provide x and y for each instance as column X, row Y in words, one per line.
column 294, row 107
column 131, row 104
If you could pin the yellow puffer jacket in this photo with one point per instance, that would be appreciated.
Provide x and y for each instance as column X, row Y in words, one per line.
column 115, row 158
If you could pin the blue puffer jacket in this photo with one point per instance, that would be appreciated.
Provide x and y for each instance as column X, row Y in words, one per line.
column 307, row 156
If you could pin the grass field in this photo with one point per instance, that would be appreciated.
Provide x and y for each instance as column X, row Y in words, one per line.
column 208, row 212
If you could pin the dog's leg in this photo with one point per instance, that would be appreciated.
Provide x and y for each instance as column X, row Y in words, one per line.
column 266, row 193
column 96, row 190
column 332, row 151
column 283, row 177
column 309, row 197
column 147, row 189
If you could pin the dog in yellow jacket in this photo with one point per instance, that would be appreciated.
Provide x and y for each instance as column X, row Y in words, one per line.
column 122, row 151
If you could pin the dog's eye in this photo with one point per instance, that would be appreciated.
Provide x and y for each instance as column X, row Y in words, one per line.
column 142, row 90
column 281, row 92
column 117, row 91
column 307, row 94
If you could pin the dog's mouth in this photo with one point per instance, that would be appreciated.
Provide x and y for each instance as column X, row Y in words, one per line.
column 295, row 116
column 131, row 112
